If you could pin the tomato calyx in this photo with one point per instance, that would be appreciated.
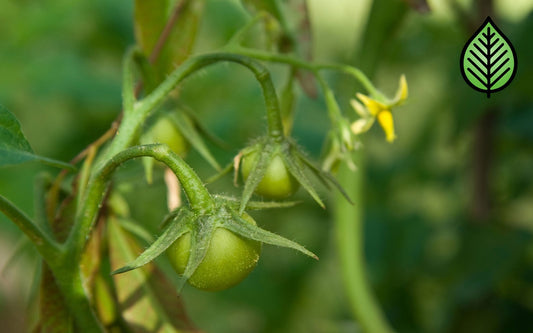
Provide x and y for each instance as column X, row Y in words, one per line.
column 213, row 249
column 275, row 168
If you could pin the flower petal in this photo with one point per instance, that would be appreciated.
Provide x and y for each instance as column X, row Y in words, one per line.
column 402, row 92
column 373, row 106
column 359, row 108
column 361, row 125
column 387, row 123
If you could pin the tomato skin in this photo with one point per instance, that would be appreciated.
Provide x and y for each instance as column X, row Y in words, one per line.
column 229, row 259
column 164, row 131
column 277, row 182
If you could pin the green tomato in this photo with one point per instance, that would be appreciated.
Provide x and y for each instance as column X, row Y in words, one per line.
column 277, row 182
column 229, row 259
column 164, row 131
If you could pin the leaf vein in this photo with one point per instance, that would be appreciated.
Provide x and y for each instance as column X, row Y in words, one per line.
column 477, row 77
column 479, row 59
column 480, row 50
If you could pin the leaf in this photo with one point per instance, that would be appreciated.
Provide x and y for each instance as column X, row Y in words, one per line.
column 240, row 226
column 14, row 148
column 147, row 300
column 151, row 20
column 488, row 60
column 176, row 228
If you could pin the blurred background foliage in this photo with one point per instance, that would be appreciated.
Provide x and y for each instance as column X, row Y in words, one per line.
column 448, row 207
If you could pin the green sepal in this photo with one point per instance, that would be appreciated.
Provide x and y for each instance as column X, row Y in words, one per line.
column 325, row 177
column 220, row 174
column 188, row 129
column 240, row 226
column 202, row 130
column 256, row 205
column 259, row 169
column 177, row 227
column 295, row 168
column 200, row 240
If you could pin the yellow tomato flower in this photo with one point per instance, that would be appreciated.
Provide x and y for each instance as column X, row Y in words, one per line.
column 373, row 109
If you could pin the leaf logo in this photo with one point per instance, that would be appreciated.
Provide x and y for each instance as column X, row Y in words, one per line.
column 488, row 60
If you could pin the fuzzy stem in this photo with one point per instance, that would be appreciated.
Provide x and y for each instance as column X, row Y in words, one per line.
column 199, row 198
column 331, row 103
column 350, row 237
column 69, row 281
column 133, row 121
column 290, row 60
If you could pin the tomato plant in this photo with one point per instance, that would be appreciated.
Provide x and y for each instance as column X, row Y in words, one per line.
column 85, row 228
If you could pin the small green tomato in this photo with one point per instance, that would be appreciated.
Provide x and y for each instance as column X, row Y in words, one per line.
column 277, row 183
column 164, row 131
column 229, row 259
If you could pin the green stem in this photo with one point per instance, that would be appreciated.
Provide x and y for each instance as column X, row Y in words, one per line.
column 358, row 75
column 133, row 121
column 350, row 242
column 331, row 103
column 69, row 281
column 287, row 59
column 44, row 243
column 198, row 196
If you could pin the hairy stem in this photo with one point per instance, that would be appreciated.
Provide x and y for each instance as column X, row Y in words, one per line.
column 197, row 194
column 299, row 63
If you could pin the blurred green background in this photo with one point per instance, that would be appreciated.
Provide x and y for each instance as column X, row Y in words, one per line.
column 448, row 207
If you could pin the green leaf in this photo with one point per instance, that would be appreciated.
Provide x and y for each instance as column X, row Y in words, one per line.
column 151, row 18
column 240, row 226
column 147, row 300
column 174, row 230
column 488, row 61
column 14, row 148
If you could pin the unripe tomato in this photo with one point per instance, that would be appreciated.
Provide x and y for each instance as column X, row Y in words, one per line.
column 277, row 182
column 164, row 131
column 229, row 259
